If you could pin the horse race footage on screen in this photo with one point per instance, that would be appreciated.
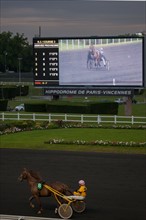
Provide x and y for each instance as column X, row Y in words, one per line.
column 95, row 62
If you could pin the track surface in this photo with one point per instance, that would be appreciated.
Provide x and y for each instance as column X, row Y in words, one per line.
column 116, row 183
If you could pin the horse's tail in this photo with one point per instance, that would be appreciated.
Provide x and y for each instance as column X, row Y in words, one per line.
column 62, row 187
column 68, row 192
column 66, row 189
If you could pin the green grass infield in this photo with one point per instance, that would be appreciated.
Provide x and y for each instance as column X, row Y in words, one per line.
column 73, row 137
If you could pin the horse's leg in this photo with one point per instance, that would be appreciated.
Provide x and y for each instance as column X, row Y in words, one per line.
column 88, row 61
column 39, row 204
column 30, row 202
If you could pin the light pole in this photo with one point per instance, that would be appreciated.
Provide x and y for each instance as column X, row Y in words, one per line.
column 19, row 71
column 19, row 68
column 6, row 61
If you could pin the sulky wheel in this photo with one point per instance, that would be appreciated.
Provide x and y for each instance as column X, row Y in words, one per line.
column 65, row 211
column 107, row 65
column 79, row 206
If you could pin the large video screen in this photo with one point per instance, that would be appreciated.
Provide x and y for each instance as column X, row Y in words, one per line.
column 89, row 62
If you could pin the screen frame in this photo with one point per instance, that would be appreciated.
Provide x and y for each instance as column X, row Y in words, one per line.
column 92, row 38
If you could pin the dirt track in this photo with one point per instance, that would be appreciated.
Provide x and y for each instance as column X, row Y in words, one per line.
column 116, row 183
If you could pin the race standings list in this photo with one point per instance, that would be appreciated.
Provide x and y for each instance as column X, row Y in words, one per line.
column 46, row 62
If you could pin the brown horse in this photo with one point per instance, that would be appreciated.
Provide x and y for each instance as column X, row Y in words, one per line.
column 93, row 57
column 33, row 178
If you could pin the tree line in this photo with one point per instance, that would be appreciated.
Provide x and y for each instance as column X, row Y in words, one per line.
column 15, row 53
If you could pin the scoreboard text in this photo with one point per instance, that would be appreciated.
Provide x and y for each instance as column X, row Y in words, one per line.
column 46, row 62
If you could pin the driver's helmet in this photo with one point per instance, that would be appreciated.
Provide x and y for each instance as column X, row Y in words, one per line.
column 81, row 182
column 101, row 49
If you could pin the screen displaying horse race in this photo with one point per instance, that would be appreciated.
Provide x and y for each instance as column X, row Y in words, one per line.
column 87, row 62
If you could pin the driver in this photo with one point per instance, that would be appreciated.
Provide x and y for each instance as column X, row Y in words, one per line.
column 102, row 57
column 81, row 191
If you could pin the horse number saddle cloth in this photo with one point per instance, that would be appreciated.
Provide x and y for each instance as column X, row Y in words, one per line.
column 40, row 186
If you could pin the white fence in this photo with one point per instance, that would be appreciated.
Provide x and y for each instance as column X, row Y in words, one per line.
column 84, row 43
column 18, row 217
column 99, row 119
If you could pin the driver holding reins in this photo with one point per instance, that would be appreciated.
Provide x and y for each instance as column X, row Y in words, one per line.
column 82, row 189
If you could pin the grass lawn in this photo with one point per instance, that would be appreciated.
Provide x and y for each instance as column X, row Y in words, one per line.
column 35, row 139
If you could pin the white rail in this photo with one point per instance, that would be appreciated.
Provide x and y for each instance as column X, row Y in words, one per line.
column 84, row 43
column 19, row 217
column 99, row 119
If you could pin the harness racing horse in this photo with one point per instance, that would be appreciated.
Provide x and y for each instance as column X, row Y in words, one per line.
column 93, row 57
column 33, row 179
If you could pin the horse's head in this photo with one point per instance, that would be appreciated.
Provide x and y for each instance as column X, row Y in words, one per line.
column 23, row 175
